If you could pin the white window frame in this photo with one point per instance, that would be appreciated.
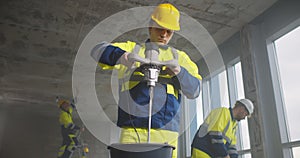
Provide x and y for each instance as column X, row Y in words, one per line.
column 287, row 145
column 233, row 96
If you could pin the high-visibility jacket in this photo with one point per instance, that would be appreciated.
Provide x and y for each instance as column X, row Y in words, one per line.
column 134, row 94
column 66, row 121
column 217, row 135
column 69, row 133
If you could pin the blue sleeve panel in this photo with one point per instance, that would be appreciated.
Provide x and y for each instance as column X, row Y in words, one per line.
column 219, row 148
column 73, row 127
column 189, row 84
column 233, row 155
column 111, row 55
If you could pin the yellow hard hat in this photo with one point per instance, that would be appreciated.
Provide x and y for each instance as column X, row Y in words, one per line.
column 61, row 102
column 166, row 16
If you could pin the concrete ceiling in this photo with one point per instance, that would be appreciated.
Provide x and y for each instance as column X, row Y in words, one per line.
column 221, row 18
column 39, row 38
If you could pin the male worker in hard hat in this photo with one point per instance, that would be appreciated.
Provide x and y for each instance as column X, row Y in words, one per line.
column 69, row 130
column 216, row 137
column 134, row 95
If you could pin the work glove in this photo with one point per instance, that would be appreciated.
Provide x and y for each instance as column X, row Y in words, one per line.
column 124, row 60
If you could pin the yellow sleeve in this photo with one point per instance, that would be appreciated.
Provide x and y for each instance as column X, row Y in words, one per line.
column 218, row 120
column 65, row 119
column 126, row 46
column 185, row 61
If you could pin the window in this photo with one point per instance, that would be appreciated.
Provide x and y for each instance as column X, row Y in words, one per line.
column 238, row 93
column 199, row 109
column 218, row 91
column 215, row 93
column 192, row 117
column 287, row 50
column 296, row 152
column 224, row 97
column 287, row 53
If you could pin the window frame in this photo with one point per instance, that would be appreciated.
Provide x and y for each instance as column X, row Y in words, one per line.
column 287, row 145
column 233, row 97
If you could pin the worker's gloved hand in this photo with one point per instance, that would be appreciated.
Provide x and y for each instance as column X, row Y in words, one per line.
column 173, row 67
column 124, row 60
column 173, row 70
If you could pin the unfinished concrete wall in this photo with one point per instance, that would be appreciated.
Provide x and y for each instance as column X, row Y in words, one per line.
column 38, row 43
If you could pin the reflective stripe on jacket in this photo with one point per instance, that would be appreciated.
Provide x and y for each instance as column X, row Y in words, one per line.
column 217, row 135
column 136, row 93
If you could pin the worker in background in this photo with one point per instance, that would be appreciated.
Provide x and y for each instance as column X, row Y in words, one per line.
column 182, row 78
column 69, row 130
column 216, row 137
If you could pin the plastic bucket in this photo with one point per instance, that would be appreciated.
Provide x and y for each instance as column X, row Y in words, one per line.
column 141, row 150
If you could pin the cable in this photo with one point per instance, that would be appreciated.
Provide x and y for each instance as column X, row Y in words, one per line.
column 130, row 119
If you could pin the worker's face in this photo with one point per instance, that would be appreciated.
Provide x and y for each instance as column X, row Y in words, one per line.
column 160, row 36
column 242, row 113
column 65, row 105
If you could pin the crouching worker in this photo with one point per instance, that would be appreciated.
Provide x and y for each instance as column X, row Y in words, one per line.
column 69, row 130
column 216, row 137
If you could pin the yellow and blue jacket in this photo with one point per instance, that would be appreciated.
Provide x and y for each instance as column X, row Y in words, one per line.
column 134, row 94
column 217, row 135
column 66, row 121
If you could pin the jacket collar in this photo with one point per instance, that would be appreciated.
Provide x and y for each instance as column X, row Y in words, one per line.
column 231, row 114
